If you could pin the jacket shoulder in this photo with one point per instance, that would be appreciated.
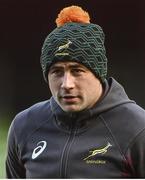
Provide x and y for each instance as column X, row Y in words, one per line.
column 31, row 119
column 125, row 122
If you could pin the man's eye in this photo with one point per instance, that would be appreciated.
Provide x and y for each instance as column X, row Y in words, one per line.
column 56, row 72
column 78, row 71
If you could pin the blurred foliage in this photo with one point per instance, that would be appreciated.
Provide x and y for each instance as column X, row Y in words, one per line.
column 4, row 126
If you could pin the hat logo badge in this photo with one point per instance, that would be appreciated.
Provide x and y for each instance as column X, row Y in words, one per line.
column 63, row 47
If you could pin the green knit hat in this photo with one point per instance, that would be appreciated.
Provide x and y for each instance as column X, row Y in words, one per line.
column 75, row 40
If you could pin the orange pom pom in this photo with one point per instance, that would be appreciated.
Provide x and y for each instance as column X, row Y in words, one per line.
column 72, row 14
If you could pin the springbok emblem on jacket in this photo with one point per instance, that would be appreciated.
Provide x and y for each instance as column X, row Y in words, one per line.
column 98, row 151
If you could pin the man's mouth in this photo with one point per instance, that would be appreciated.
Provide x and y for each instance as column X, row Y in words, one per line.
column 69, row 98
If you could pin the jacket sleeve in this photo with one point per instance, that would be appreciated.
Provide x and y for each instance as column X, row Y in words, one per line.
column 14, row 166
column 136, row 155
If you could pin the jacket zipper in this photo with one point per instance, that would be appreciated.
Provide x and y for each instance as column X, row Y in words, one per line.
column 65, row 153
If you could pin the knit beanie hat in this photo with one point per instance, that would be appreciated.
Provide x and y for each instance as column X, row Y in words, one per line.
column 75, row 39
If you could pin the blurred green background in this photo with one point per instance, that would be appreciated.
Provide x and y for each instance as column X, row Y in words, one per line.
column 4, row 125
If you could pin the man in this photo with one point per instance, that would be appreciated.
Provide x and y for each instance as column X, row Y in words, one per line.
column 89, row 128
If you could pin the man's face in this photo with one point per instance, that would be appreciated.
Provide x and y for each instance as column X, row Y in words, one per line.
column 73, row 86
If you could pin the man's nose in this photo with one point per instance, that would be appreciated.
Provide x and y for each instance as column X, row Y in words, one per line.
column 67, row 81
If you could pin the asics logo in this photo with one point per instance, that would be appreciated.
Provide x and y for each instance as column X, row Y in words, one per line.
column 39, row 149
